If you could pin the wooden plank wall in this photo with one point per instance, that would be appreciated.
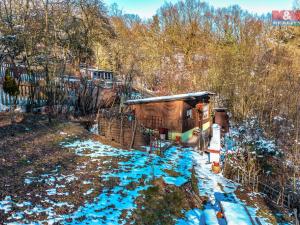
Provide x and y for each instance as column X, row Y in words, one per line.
column 169, row 112
column 122, row 132
column 171, row 115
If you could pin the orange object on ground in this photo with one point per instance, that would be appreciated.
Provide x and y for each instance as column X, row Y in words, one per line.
column 215, row 167
column 216, row 164
column 219, row 215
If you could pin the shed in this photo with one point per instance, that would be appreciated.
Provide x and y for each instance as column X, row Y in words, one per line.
column 93, row 73
column 179, row 114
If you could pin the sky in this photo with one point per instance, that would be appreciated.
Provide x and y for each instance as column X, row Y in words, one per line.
column 147, row 8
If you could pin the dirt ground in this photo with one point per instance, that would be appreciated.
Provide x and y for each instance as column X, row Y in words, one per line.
column 31, row 148
column 33, row 163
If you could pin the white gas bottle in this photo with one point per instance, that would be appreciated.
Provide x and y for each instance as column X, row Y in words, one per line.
column 215, row 144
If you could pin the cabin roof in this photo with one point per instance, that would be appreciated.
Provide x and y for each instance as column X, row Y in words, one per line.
column 188, row 96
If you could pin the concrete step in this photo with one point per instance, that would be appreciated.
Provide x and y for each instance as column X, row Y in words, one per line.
column 210, row 217
column 235, row 213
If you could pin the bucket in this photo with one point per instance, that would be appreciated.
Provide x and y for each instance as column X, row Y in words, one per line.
column 163, row 131
column 162, row 136
column 215, row 167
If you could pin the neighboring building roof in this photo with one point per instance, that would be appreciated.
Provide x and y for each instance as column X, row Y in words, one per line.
column 94, row 69
column 188, row 96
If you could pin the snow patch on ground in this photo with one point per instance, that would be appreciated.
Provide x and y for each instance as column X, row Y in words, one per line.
column 109, row 206
column 250, row 133
column 217, row 188
column 114, row 205
column 235, row 214
column 194, row 216
column 6, row 204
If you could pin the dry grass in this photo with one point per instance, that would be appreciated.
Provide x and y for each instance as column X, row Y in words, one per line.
column 259, row 202
column 162, row 203
column 34, row 146
column 172, row 173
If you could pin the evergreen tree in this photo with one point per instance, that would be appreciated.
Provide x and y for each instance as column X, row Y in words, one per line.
column 10, row 85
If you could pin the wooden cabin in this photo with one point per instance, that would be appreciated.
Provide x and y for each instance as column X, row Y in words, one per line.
column 106, row 78
column 94, row 74
column 177, row 115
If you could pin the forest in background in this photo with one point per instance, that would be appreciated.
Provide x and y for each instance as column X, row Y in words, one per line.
column 252, row 66
column 191, row 46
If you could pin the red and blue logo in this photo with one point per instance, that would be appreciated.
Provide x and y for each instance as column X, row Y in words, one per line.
column 286, row 17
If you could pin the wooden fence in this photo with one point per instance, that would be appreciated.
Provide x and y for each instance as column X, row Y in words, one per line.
column 274, row 194
column 122, row 129
column 39, row 98
column 64, row 93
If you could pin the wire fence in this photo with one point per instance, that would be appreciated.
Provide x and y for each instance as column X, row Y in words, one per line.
column 276, row 195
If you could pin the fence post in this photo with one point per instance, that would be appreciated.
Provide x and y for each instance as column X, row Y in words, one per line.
column 296, row 217
column 282, row 197
column 2, row 96
column 242, row 178
column 5, row 101
column 253, row 182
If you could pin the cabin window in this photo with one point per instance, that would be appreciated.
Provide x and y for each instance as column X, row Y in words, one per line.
column 205, row 112
column 189, row 113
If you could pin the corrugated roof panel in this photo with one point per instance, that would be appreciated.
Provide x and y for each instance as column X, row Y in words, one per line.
column 170, row 97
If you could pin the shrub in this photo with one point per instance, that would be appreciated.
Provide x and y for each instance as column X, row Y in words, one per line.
column 194, row 181
column 161, row 207
column 10, row 85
